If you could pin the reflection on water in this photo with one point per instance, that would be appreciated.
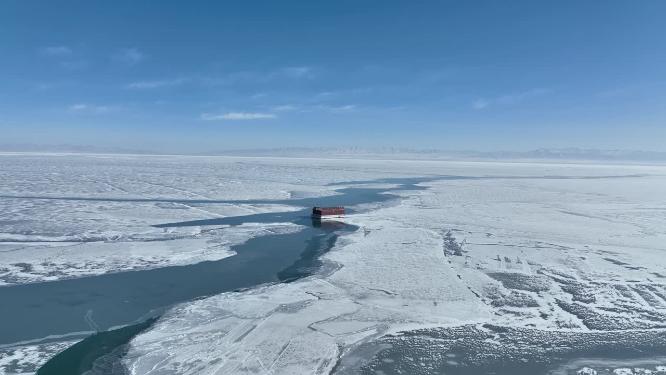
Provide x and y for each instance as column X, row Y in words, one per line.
column 327, row 224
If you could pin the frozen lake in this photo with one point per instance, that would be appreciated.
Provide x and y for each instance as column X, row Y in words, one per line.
column 105, row 301
column 99, row 303
column 454, row 267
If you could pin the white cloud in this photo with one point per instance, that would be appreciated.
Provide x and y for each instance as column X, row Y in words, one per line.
column 340, row 108
column 238, row 78
column 65, row 57
column 259, row 95
column 88, row 108
column 75, row 64
column 142, row 85
column 259, row 77
column 129, row 56
column 298, row 72
column 326, row 94
column 78, row 107
column 480, row 104
column 314, row 108
column 56, row 51
column 509, row 99
column 285, row 108
column 519, row 97
column 237, row 116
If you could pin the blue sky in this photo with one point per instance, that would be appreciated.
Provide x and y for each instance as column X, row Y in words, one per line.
column 200, row 76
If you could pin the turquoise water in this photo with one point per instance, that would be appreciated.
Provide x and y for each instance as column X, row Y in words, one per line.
column 84, row 355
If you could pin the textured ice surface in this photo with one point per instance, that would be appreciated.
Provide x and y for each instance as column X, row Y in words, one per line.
column 547, row 249
column 26, row 359
column 70, row 216
column 551, row 250
column 44, row 261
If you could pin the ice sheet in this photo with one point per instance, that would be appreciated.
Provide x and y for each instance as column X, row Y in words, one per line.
column 556, row 248
column 549, row 247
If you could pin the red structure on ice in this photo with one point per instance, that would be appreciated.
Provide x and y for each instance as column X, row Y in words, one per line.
column 327, row 211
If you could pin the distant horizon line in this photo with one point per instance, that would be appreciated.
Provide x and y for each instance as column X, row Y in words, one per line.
column 75, row 147
column 403, row 153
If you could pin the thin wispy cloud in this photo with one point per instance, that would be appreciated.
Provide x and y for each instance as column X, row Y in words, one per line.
column 89, row 108
column 237, row 116
column 628, row 90
column 235, row 78
column 146, row 85
column 326, row 94
column 519, row 97
column 298, row 72
column 339, row 108
column 258, row 95
column 480, row 104
column 45, row 86
column 361, row 91
column 75, row 64
column 129, row 56
column 260, row 77
column 314, row 108
column 509, row 99
column 285, row 108
column 56, row 51
column 65, row 57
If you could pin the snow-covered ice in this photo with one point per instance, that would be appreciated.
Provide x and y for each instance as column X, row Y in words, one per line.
column 70, row 216
column 554, row 248
column 547, row 248
column 26, row 359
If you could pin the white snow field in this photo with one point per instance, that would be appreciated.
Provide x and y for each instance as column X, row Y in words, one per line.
column 575, row 248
